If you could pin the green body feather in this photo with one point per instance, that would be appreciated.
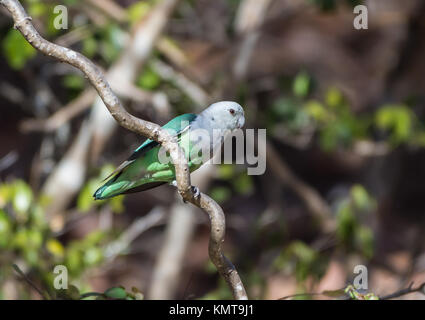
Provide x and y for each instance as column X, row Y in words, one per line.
column 143, row 170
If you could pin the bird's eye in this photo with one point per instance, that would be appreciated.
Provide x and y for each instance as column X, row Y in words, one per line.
column 232, row 112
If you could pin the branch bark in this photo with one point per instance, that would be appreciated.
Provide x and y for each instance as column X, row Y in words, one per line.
column 148, row 129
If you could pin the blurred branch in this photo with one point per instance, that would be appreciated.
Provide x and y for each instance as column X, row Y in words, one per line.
column 84, row 101
column 28, row 280
column 353, row 294
column 191, row 89
column 180, row 228
column 249, row 18
column 110, row 8
column 367, row 148
column 312, row 199
column 67, row 178
column 409, row 289
column 153, row 218
column 62, row 116
column 8, row 160
column 166, row 274
column 142, row 127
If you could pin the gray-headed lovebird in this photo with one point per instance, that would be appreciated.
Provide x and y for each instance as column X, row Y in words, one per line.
column 149, row 166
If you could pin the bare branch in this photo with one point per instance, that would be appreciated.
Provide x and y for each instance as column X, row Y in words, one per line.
column 145, row 128
column 140, row 225
column 402, row 292
column 62, row 116
column 73, row 109
column 28, row 280
column 193, row 90
column 312, row 199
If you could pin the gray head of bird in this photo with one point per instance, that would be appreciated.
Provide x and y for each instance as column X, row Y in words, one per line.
column 225, row 115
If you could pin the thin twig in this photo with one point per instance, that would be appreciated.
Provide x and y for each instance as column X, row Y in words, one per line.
column 148, row 129
column 312, row 199
column 300, row 295
column 62, row 116
column 140, row 225
column 28, row 280
column 402, row 292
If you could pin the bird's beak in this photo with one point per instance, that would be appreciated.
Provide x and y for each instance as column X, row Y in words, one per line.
column 241, row 122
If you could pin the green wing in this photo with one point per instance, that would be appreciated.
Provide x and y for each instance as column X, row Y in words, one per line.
column 178, row 124
column 128, row 177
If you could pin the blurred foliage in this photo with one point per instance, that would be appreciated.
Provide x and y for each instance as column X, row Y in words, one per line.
column 85, row 200
column 355, row 295
column 301, row 107
column 149, row 80
column 397, row 120
column 302, row 260
column 295, row 113
column 351, row 232
column 16, row 49
column 236, row 181
column 26, row 236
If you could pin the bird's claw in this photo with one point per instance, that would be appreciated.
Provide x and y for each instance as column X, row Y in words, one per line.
column 196, row 192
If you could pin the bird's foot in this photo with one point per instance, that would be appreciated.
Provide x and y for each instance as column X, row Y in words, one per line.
column 196, row 192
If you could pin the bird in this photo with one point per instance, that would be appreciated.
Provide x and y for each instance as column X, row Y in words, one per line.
column 198, row 135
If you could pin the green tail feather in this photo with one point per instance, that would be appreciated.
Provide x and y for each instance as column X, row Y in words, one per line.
column 110, row 189
column 113, row 188
column 98, row 194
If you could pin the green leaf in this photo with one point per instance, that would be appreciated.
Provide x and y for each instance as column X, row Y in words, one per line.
column 117, row 204
column 365, row 241
column 317, row 111
column 89, row 47
column 17, row 50
column 301, row 85
column 137, row 11
column 85, row 199
column 149, row 80
column 73, row 81
column 6, row 192
column 5, row 229
column 37, row 9
column 55, row 247
column 346, row 222
column 396, row 119
column 93, row 256
column 360, row 197
column 116, row 293
column 334, row 98
column 221, row 194
column 74, row 260
column 226, row 171
column 243, row 184
column 22, row 198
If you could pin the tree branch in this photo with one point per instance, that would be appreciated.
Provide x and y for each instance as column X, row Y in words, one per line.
column 402, row 292
column 148, row 129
